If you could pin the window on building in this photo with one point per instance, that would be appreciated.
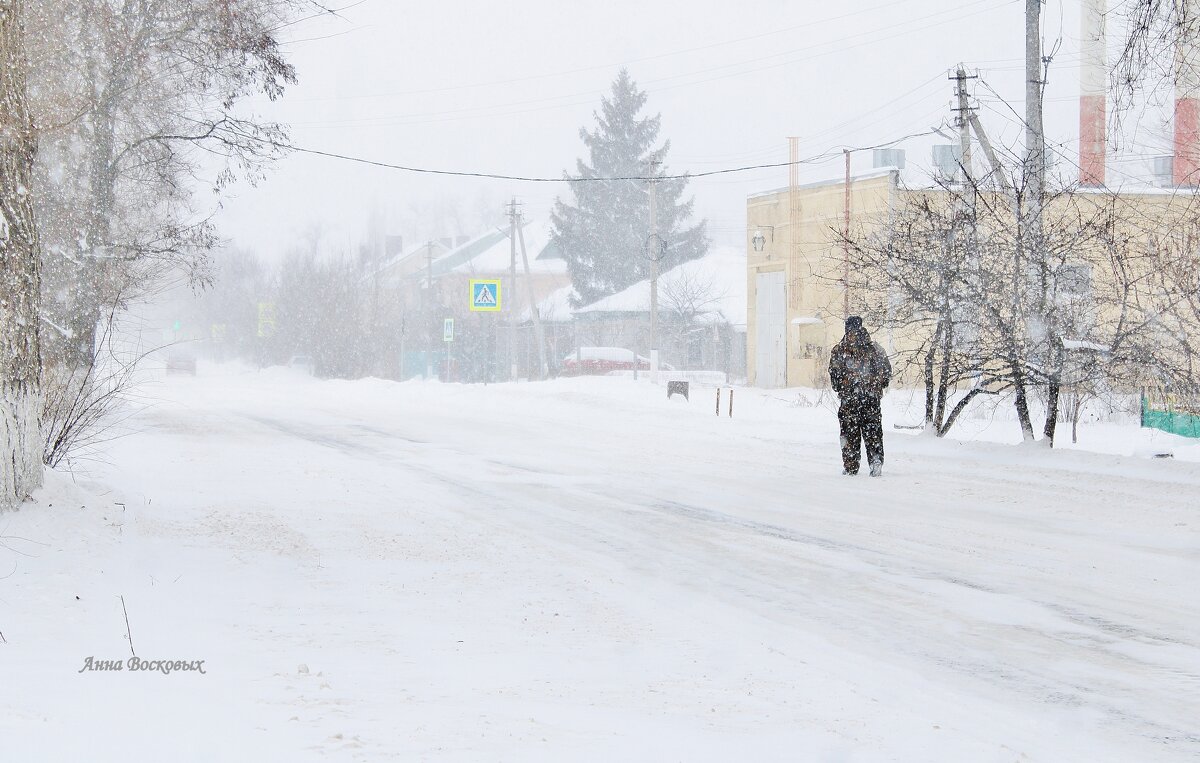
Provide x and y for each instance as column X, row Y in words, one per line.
column 1075, row 280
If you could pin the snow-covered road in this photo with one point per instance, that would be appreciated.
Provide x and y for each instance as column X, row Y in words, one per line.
column 583, row 570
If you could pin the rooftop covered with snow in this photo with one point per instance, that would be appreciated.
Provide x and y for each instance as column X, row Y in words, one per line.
column 490, row 253
column 715, row 284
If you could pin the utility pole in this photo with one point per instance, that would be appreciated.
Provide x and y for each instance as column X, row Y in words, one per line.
column 845, row 240
column 426, row 299
column 962, row 121
column 538, row 333
column 429, row 265
column 964, row 178
column 511, row 299
column 1035, row 183
column 793, row 289
column 655, row 254
column 964, row 326
column 1035, row 137
column 990, row 154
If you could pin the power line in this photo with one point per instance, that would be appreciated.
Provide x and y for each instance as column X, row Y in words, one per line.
column 322, row 37
column 824, row 156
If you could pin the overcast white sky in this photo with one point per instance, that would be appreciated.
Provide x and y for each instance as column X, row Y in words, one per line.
column 503, row 87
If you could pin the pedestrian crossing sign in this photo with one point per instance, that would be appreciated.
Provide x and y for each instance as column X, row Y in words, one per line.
column 485, row 295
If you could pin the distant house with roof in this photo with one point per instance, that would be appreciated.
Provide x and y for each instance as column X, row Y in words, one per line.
column 399, row 267
column 490, row 255
column 433, row 282
column 702, row 308
column 701, row 315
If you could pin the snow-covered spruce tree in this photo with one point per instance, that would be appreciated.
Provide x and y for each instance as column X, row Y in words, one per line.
column 20, row 359
column 605, row 234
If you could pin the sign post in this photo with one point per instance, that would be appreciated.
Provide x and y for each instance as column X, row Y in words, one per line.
column 485, row 296
column 448, row 337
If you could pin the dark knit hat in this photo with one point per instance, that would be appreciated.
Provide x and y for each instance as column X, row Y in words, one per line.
column 853, row 323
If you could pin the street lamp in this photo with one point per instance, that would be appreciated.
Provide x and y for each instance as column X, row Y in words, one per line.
column 759, row 241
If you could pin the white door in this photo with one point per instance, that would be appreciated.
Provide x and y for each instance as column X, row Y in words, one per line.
column 771, row 333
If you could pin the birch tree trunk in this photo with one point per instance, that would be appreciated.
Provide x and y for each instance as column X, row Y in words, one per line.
column 20, row 361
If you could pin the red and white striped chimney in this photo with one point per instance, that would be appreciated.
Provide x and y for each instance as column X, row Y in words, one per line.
column 1187, row 105
column 1093, row 83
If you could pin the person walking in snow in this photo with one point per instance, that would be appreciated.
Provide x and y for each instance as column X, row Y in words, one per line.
column 860, row 371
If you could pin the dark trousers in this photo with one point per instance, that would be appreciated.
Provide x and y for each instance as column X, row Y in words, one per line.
column 862, row 422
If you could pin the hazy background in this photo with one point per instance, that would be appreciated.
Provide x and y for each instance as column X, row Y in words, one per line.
column 505, row 88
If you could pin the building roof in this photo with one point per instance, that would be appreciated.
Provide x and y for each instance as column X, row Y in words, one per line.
column 873, row 174
column 556, row 306
column 717, row 281
column 460, row 256
column 490, row 253
column 410, row 260
column 1127, row 187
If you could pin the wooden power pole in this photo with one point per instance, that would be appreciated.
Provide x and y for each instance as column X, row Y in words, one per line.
column 655, row 254
column 538, row 333
column 1035, row 136
column 511, row 298
column 846, row 240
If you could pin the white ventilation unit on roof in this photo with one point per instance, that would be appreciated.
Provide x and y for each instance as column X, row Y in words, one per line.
column 946, row 158
column 888, row 157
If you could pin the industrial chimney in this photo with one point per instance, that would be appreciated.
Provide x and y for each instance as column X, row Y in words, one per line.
column 1093, row 79
column 1187, row 106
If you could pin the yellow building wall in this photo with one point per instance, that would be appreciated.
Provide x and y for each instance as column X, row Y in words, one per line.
column 812, row 258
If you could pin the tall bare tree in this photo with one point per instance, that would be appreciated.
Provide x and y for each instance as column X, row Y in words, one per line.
column 139, row 101
column 1107, row 302
column 1161, row 44
column 145, row 95
column 918, row 267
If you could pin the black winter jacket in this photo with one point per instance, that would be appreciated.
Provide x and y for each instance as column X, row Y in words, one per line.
column 859, row 367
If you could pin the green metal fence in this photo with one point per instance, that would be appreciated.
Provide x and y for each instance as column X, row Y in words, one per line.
column 1160, row 415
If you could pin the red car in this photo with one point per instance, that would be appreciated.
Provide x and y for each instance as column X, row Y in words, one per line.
column 603, row 360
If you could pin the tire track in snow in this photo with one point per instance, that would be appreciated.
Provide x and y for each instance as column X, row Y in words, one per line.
column 896, row 589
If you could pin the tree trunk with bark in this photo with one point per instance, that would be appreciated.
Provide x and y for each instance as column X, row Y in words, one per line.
column 930, row 357
column 943, row 392
column 1021, row 402
column 1054, row 387
column 20, row 354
